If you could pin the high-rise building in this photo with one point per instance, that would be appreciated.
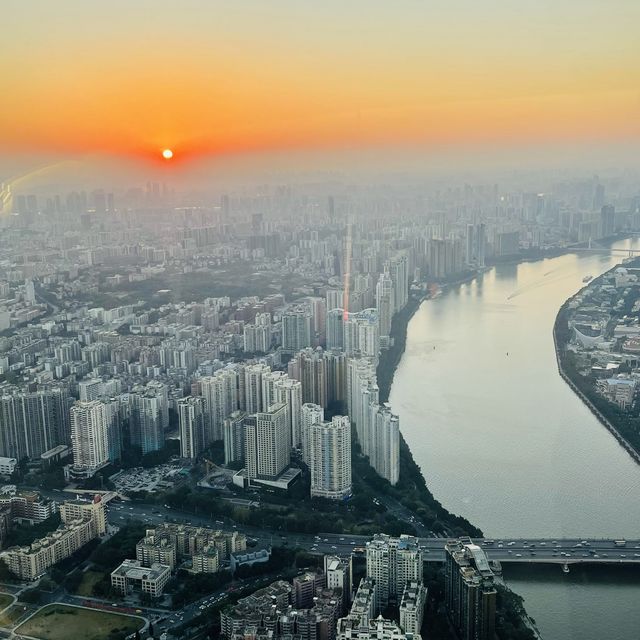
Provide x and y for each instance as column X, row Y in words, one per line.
column 147, row 407
column 95, row 435
column 398, row 270
column 310, row 368
column 335, row 299
column 336, row 367
column 234, row 437
column 339, row 573
column 361, row 334
column 384, row 443
column 412, row 608
column 385, row 303
column 257, row 337
column 90, row 389
column 192, row 426
column 289, row 392
column 297, row 329
column 330, row 458
column 469, row 590
column 220, row 393
column 269, row 382
column 32, row 423
column 253, row 387
column 311, row 414
column 267, row 451
column 607, row 220
column 335, row 328
column 393, row 563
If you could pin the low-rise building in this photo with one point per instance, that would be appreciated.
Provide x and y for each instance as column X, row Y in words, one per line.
column 248, row 558
column 81, row 522
column 131, row 574
column 7, row 466
column 377, row 629
column 27, row 506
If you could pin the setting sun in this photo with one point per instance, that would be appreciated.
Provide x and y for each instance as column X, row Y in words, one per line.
column 167, row 154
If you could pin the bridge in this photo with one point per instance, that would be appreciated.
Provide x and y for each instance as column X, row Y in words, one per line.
column 564, row 552
column 561, row 551
column 595, row 247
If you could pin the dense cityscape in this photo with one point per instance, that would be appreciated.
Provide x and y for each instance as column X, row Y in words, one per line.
column 142, row 361
column 319, row 321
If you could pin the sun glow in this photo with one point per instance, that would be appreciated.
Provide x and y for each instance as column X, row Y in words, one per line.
column 167, row 154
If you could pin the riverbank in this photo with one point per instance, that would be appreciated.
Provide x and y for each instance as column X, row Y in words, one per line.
column 612, row 418
column 512, row 620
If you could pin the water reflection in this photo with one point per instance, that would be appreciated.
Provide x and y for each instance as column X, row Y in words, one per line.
column 500, row 437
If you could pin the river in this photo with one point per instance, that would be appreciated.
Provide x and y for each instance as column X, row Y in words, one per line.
column 503, row 441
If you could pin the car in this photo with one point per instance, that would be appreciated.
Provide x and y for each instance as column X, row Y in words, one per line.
column 518, row 555
column 334, row 547
column 352, row 542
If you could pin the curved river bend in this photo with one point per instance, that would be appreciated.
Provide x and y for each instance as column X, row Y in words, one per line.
column 503, row 441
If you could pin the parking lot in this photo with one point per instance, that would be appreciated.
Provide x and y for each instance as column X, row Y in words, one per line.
column 154, row 480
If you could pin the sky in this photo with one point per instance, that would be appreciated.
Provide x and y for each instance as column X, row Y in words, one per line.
column 220, row 80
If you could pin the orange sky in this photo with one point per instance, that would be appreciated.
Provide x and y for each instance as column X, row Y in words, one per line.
column 227, row 77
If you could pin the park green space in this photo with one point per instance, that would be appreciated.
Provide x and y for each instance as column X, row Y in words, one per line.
column 61, row 622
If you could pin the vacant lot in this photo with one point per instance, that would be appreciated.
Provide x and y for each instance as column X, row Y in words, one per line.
column 60, row 622
column 89, row 580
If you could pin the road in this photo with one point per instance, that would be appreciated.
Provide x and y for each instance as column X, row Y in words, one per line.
column 558, row 551
column 549, row 550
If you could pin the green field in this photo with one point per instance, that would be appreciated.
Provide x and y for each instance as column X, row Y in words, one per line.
column 12, row 615
column 61, row 622
column 5, row 600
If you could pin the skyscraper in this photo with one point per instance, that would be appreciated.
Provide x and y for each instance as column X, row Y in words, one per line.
column 32, row 423
column 361, row 333
column 385, row 303
column 310, row 368
column 384, row 445
column 330, row 458
column 234, row 437
column 192, row 426
column 253, row 387
column 297, row 329
column 289, row 392
column 146, row 420
column 267, row 443
column 311, row 414
column 220, row 393
column 95, row 435
column 335, row 328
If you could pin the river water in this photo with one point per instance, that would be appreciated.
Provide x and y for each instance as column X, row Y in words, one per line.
column 503, row 441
